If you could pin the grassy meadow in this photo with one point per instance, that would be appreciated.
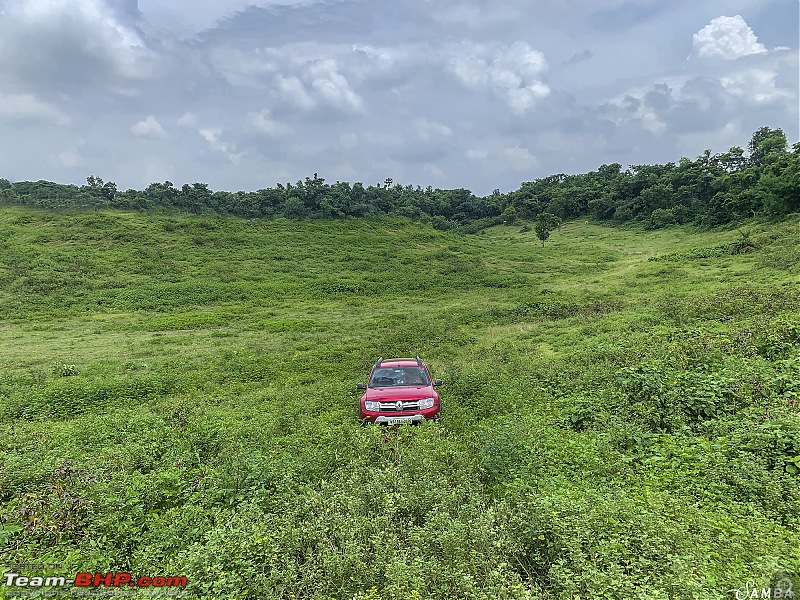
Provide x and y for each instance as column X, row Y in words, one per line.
column 621, row 407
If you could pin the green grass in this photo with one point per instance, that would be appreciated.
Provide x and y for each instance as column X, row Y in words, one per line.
column 621, row 407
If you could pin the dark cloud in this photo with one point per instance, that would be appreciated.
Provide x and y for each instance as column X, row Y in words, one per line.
column 325, row 21
column 85, row 46
column 579, row 57
column 659, row 98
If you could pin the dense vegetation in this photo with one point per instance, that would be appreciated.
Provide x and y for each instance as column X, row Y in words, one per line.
column 621, row 407
column 710, row 190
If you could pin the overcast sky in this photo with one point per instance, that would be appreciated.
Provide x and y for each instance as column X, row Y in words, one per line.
column 479, row 94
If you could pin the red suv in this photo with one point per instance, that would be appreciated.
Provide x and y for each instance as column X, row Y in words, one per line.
column 400, row 391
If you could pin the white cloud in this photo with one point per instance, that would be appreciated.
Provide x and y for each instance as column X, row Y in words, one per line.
column 187, row 119
column 294, row 93
column 521, row 58
column 727, row 38
column 522, row 98
column 211, row 136
column 264, row 123
column 513, row 73
column 319, row 83
column 756, row 86
column 377, row 60
column 332, row 87
column 431, row 130
column 148, row 127
column 471, row 70
column 306, row 76
column 25, row 107
column 214, row 138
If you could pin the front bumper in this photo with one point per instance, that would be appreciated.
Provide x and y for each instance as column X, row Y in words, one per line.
column 383, row 417
column 384, row 420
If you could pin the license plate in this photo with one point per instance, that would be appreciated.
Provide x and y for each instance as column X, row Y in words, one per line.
column 399, row 421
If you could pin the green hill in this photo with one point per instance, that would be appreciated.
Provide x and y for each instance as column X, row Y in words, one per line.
column 621, row 407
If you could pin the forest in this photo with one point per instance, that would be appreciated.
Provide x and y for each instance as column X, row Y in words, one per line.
column 711, row 190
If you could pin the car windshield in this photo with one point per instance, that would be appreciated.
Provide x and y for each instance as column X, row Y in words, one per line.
column 393, row 376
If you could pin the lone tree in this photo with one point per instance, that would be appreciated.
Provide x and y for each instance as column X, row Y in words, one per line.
column 509, row 215
column 545, row 223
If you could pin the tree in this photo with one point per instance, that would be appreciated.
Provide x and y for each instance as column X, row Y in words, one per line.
column 294, row 208
column 195, row 198
column 103, row 191
column 765, row 142
column 312, row 192
column 440, row 223
column 733, row 160
column 545, row 223
column 336, row 202
column 509, row 215
column 162, row 194
column 655, row 197
column 661, row 217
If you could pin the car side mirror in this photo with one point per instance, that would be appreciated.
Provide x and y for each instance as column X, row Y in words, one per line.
column 360, row 386
column 437, row 382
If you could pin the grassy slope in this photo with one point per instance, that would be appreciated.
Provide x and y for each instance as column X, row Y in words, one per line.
column 618, row 417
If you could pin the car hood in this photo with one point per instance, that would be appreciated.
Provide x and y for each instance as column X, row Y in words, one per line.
column 405, row 392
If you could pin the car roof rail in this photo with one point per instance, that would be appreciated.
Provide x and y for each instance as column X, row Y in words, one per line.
column 378, row 364
column 419, row 361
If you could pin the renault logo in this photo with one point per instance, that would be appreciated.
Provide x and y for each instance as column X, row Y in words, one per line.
column 399, row 405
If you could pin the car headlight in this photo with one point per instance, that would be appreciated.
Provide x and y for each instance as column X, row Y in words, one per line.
column 426, row 403
column 373, row 406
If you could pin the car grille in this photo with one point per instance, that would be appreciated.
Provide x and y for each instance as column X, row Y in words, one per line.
column 404, row 405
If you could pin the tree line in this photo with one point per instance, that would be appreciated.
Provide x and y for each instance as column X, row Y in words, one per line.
column 711, row 190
